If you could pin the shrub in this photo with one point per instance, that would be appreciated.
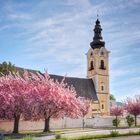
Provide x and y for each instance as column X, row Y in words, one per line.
column 116, row 122
column 28, row 137
column 130, row 120
column 114, row 133
column 131, row 132
column 58, row 136
column 7, row 138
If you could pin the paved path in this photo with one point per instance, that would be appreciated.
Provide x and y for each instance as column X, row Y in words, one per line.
column 94, row 132
column 122, row 138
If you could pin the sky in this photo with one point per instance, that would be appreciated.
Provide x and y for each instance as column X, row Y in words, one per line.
column 54, row 35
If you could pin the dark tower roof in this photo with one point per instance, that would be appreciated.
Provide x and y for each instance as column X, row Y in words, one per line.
column 97, row 39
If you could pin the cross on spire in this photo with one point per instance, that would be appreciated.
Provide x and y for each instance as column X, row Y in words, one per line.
column 97, row 14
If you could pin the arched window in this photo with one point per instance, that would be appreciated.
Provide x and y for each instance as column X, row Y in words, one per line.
column 91, row 54
column 102, row 106
column 102, row 65
column 91, row 65
column 102, row 87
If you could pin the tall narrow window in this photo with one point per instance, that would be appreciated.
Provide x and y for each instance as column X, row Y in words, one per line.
column 102, row 88
column 91, row 55
column 91, row 65
column 102, row 106
column 102, row 64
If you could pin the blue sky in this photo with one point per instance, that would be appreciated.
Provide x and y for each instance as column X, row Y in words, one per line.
column 55, row 35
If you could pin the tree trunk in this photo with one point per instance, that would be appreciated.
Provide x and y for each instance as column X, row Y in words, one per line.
column 16, row 123
column 47, row 127
column 135, row 120
column 83, row 123
column 116, row 121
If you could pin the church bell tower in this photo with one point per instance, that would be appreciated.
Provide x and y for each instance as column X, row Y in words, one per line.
column 97, row 69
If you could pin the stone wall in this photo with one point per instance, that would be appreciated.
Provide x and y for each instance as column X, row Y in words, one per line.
column 63, row 123
column 106, row 121
column 39, row 125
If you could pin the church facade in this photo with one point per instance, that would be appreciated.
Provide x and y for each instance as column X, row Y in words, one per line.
column 98, row 71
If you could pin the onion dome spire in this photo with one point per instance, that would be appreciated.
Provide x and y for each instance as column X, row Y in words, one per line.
column 97, row 39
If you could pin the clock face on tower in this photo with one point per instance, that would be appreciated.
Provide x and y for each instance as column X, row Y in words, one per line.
column 102, row 52
column 91, row 54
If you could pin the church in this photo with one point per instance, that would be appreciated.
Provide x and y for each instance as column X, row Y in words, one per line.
column 95, row 87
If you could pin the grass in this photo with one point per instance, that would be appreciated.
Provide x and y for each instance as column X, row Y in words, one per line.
column 85, row 137
column 54, row 131
column 114, row 133
column 28, row 137
column 37, row 133
column 88, row 137
column 126, row 126
column 7, row 138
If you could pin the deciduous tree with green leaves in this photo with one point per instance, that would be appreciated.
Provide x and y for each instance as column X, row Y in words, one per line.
column 112, row 97
column 6, row 68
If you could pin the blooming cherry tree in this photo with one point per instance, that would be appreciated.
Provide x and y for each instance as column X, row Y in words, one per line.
column 54, row 100
column 36, row 96
column 116, row 111
column 13, row 93
column 133, row 106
